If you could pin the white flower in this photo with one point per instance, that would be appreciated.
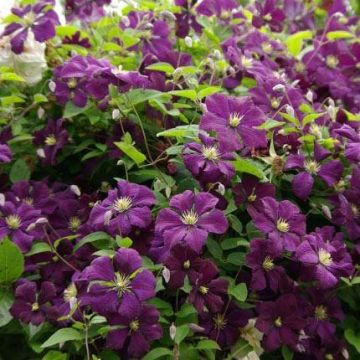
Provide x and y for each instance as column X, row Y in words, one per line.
column 30, row 64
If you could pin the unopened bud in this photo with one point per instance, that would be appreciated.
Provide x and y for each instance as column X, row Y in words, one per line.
column 172, row 331
column 75, row 189
column 188, row 41
column 115, row 114
column 40, row 112
column 2, row 199
column 166, row 274
column 107, row 217
column 40, row 153
column 52, row 86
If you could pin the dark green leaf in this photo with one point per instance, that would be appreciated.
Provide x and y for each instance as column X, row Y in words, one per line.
column 19, row 171
column 61, row 336
column 11, row 262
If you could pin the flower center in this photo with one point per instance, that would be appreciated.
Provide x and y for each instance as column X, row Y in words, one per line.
column 332, row 61
column 186, row 264
column 246, row 61
column 29, row 18
column 70, row 292
column 13, row 222
column 235, row 120
column 266, row 47
column 35, row 306
column 278, row 322
column 28, row 200
column 122, row 204
column 210, row 153
column 134, row 325
column 50, row 140
column 320, row 312
column 268, row 263
column 299, row 67
column 329, row 357
column 252, row 198
column 267, row 17
column 275, row 103
column 324, row 257
column 189, row 217
column 204, row 290
column 122, row 284
column 72, row 83
column 312, row 166
column 74, row 223
column 282, row 225
column 219, row 321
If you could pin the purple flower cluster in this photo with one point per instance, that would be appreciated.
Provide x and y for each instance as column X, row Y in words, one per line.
column 38, row 18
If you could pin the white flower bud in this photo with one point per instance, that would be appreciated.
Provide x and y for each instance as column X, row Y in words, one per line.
column 107, row 217
column 126, row 21
column 75, row 189
column 310, row 95
column 2, row 199
column 188, row 41
column 172, row 331
column 40, row 112
column 52, row 86
column 326, row 211
column 217, row 54
column 279, row 87
column 40, row 153
column 221, row 189
column 115, row 114
column 41, row 221
column 166, row 274
column 290, row 110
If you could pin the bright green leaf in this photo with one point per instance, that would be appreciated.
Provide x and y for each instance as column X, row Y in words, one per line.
column 182, row 332
column 11, row 262
column 131, row 151
column 61, row 336
column 334, row 35
column 19, row 171
column 239, row 291
column 96, row 236
column 248, row 166
column 207, row 344
column 157, row 354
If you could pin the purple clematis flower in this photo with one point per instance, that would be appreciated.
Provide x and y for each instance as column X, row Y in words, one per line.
column 325, row 257
column 324, row 308
column 208, row 289
column 303, row 182
column 19, row 223
column 116, row 285
column 261, row 259
column 352, row 147
column 32, row 303
column 224, row 326
column 182, row 261
column 250, row 191
column 281, row 221
column 82, row 77
column 125, row 208
column 137, row 328
column 52, row 138
column 220, row 8
column 268, row 13
column 208, row 162
column 280, row 321
column 189, row 219
column 235, row 121
column 38, row 17
column 86, row 11
column 5, row 153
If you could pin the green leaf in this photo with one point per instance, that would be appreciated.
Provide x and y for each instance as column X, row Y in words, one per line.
column 96, row 236
column 61, row 336
column 72, row 110
column 182, row 332
column 239, row 292
column 190, row 131
column 157, row 353
column 310, row 118
column 131, row 151
column 208, row 91
column 232, row 243
column 270, row 124
column 12, row 99
column 38, row 248
column 207, row 344
column 124, row 242
column 11, row 77
column 55, row 355
column 236, row 258
column 248, row 166
column 334, row 35
column 161, row 66
column 138, row 96
column 186, row 310
column 290, row 118
column 286, row 353
column 214, row 248
column 40, row 98
column 295, row 41
column 11, row 262
column 19, row 171
column 164, row 307
column 353, row 338
column 6, row 300
column 188, row 94
column 66, row 30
